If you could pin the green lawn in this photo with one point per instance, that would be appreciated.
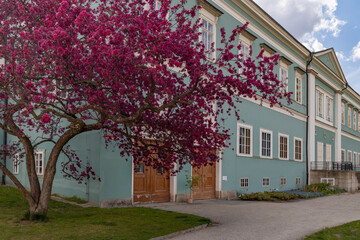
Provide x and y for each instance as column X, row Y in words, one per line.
column 71, row 222
column 347, row 231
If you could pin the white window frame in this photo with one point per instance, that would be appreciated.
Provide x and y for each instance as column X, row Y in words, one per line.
column 354, row 158
column 319, row 104
column 246, row 126
column 343, row 113
column 261, row 143
column 298, row 88
column 16, row 163
column 244, row 182
column 355, row 113
column 287, row 149
column 328, row 153
column 324, row 106
column 328, row 180
column 349, row 153
column 349, row 117
column 244, row 42
column 329, row 108
column 358, row 162
column 301, row 149
column 320, row 155
column 283, row 181
column 343, row 155
column 297, row 181
column 207, row 16
column 37, row 152
column 284, row 79
column 268, row 180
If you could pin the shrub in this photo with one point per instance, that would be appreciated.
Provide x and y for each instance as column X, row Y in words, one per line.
column 317, row 187
column 268, row 196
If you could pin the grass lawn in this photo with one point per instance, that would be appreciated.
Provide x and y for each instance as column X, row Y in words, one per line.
column 71, row 222
column 347, row 231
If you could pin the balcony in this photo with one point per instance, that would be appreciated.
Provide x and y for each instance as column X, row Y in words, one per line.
column 344, row 166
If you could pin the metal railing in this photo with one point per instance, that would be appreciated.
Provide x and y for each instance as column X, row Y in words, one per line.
column 345, row 166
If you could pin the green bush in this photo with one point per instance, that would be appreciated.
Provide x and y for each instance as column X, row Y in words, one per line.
column 268, row 196
column 317, row 187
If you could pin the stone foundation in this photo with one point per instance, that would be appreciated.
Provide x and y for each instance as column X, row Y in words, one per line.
column 113, row 203
column 343, row 179
column 226, row 195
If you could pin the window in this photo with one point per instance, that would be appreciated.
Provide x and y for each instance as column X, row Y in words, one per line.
column 342, row 155
column 343, row 113
column 355, row 157
column 320, row 155
column 328, row 180
column 245, row 41
column 284, row 77
column 297, row 181
column 16, row 163
column 329, row 108
column 349, row 116
column 319, row 104
column 349, row 156
column 139, row 168
column 244, row 182
column 39, row 162
column 358, row 161
column 207, row 36
column 358, row 117
column 266, row 182
column 283, row 146
column 298, row 89
column 265, row 143
column 354, row 119
column 328, row 156
column 297, row 149
column 282, row 181
column 244, row 146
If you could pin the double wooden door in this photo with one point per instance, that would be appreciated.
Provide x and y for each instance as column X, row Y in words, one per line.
column 151, row 185
column 205, row 189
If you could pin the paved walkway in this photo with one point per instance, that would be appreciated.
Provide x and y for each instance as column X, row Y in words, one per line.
column 268, row 220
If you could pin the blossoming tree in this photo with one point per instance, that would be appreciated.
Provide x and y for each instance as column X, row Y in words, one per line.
column 126, row 68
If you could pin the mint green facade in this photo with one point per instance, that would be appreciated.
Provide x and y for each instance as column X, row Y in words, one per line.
column 313, row 120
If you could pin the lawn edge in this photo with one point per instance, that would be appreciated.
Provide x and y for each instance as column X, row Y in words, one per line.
column 171, row 235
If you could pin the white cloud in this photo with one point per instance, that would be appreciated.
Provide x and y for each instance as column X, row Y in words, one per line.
column 305, row 18
column 355, row 53
column 340, row 56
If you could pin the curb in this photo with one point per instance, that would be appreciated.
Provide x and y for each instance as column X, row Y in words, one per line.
column 181, row 232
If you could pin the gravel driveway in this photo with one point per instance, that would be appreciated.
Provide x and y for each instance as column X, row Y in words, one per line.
column 268, row 220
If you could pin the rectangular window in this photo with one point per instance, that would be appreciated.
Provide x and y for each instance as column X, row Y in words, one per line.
column 284, row 77
column 16, row 163
column 358, row 160
column 342, row 155
column 319, row 104
column 328, row 180
column 354, row 119
column 283, row 146
column 329, row 108
column 349, row 117
column 355, row 158
column 328, row 156
column 244, row 182
column 297, row 181
column 298, row 90
column 320, row 155
column 265, row 143
column 349, row 156
column 297, row 149
column 282, row 181
column 343, row 113
column 39, row 162
column 244, row 146
column 207, row 36
column 266, row 182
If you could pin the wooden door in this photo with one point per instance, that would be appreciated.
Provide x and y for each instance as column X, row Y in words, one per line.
column 205, row 188
column 151, row 185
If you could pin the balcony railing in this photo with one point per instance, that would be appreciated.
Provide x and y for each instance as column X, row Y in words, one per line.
column 345, row 166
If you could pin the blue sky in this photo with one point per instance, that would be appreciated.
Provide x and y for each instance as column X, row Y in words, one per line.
column 323, row 24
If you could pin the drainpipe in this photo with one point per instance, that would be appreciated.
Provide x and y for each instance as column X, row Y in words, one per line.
column 307, row 114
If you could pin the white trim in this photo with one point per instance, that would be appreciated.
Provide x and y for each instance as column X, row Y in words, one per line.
column 262, row 183
column 324, row 125
column 281, row 179
column 237, row 139
column 302, row 151
column 287, row 150
column 300, row 77
column 326, row 180
column 355, row 158
column 319, row 157
column 40, row 151
column 297, row 184
column 231, row 11
column 218, row 170
column 132, row 179
column 349, row 135
column 244, row 181
column 343, row 151
column 347, row 157
column 262, row 130
column 210, row 18
column 16, row 163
